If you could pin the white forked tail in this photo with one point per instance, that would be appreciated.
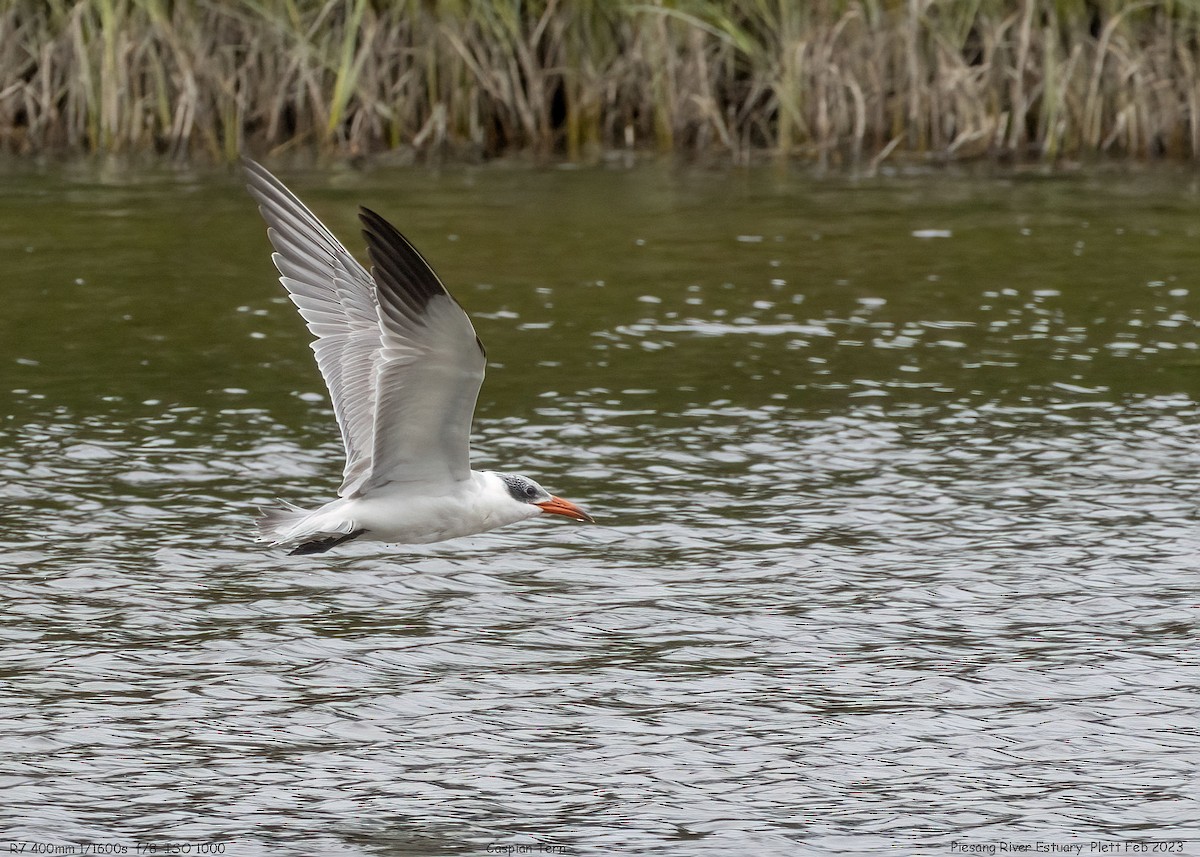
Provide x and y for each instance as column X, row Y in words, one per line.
column 313, row 531
column 277, row 525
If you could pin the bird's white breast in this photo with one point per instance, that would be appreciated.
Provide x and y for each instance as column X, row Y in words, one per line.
column 406, row 513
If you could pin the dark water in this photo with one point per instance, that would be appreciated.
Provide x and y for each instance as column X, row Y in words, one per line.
column 897, row 547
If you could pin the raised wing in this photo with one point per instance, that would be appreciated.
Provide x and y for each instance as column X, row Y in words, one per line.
column 336, row 297
column 429, row 370
column 383, row 348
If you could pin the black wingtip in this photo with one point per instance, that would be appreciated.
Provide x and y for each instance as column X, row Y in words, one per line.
column 322, row 545
column 406, row 281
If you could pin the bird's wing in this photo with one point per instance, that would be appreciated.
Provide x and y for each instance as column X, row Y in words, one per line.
column 336, row 297
column 429, row 370
column 399, row 356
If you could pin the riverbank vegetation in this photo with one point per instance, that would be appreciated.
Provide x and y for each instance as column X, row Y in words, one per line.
column 835, row 81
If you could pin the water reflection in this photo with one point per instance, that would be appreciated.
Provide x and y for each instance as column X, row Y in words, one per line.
column 896, row 548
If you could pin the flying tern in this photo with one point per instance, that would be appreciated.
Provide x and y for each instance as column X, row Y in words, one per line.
column 403, row 366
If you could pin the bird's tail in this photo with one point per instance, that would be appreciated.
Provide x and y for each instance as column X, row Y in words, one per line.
column 310, row 531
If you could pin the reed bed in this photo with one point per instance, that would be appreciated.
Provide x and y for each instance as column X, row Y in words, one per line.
column 837, row 81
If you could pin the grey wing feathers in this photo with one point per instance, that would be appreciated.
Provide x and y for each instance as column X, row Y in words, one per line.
column 336, row 297
column 430, row 370
column 385, row 344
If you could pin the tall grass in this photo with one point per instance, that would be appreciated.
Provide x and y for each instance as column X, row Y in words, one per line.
column 832, row 80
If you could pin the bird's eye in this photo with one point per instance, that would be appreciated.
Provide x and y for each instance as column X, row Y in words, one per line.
column 530, row 491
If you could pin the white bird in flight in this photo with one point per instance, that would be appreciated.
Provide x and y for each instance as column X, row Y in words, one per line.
column 403, row 366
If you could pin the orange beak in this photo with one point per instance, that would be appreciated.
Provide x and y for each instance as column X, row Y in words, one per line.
column 559, row 506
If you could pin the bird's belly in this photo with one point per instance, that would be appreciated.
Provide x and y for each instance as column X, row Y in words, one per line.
column 420, row 520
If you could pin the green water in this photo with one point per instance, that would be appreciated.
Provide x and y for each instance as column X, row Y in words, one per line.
column 895, row 481
column 157, row 286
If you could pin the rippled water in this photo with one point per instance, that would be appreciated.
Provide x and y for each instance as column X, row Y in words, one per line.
column 896, row 482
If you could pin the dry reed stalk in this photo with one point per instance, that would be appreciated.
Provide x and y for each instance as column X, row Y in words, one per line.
column 834, row 80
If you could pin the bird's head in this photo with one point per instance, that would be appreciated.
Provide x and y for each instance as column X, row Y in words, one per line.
column 525, row 490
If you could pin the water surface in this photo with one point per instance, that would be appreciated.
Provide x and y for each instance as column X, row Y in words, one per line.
column 895, row 480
